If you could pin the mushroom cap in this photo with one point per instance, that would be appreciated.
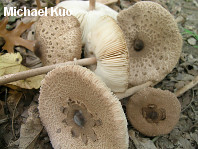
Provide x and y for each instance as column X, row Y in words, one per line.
column 107, row 43
column 153, row 41
column 153, row 111
column 79, row 111
column 59, row 38
column 87, row 18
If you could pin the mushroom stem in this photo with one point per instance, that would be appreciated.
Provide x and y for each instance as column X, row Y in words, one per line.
column 38, row 3
column 43, row 70
column 187, row 87
column 92, row 4
column 57, row 1
column 133, row 90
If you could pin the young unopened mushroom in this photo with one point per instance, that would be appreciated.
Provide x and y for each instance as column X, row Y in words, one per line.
column 107, row 43
column 79, row 111
column 87, row 13
column 153, row 41
column 153, row 111
column 59, row 38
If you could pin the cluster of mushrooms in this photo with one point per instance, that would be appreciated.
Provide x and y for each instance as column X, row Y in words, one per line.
column 78, row 106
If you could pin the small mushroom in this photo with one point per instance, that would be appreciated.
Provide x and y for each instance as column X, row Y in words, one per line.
column 153, row 111
column 59, row 38
column 153, row 41
column 87, row 14
column 107, row 43
column 79, row 111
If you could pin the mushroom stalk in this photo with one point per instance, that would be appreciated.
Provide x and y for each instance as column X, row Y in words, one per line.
column 57, row 1
column 38, row 3
column 133, row 90
column 43, row 70
column 92, row 4
column 187, row 87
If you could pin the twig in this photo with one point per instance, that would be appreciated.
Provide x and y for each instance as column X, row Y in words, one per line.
column 187, row 87
column 4, row 120
column 92, row 4
column 43, row 70
column 133, row 90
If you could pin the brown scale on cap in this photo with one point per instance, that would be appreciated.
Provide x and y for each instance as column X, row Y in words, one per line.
column 79, row 111
column 152, row 114
column 81, row 121
column 153, row 111
column 59, row 38
column 153, row 41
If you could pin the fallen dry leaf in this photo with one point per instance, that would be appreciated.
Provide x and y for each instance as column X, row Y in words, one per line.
column 30, row 130
column 12, row 101
column 12, row 38
column 10, row 63
column 141, row 143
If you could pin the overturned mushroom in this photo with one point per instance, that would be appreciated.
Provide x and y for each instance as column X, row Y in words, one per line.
column 59, row 38
column 87, row 14
column 107, row 45
column 153, row 111
column 106, row 42
column 79, row 111
column 153, row 41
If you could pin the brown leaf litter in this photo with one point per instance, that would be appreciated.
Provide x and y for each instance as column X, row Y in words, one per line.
column 12, row 38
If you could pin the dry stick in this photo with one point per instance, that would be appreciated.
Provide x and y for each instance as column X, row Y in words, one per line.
column 38, row 3
column 187, row 87
column 43, row 70
column 92, row 4
column 133, row 90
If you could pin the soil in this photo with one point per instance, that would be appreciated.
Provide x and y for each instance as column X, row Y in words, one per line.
column 14, row 111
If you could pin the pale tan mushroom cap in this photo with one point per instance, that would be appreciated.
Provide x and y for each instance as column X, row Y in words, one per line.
column 156, row 27
column 167, row 106
column 59, row 39
column 72, row 87
column 107, row 43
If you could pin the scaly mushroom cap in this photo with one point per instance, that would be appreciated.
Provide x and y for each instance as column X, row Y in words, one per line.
column 79, row 111
column 59, row 38
column 107, row 43
column 87, row 18
column 153, row 111
column 153, row 41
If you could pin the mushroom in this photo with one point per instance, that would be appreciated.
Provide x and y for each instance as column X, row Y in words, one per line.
column 59, row 38
column 153, row 41
column 87, row 14
column 79, row 111
column 107, row 45
column 153, row 111
column 106, row 42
